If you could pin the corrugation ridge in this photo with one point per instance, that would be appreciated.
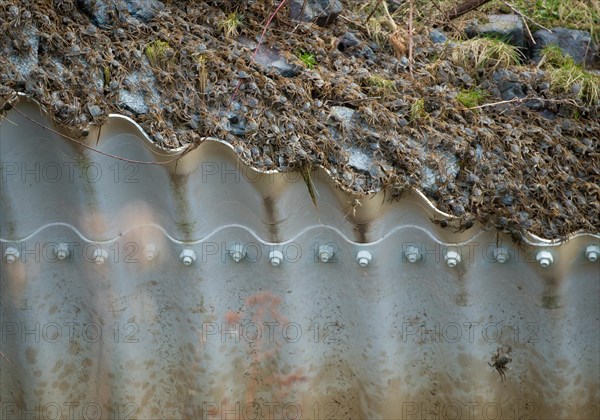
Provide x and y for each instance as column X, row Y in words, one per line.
column 191, row 157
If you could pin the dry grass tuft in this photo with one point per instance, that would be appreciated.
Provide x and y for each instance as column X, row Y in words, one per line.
column 484, row 53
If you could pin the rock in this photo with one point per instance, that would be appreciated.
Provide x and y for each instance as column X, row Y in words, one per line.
column 508, row 28
column 350, row 44
column 359, row 160
column 94, row 110
column 322, row 12
column 136, row 99
column 509, row 85
column 342, row 113
column 26, row 58
column 270, row 59
column 572, row 42
column 144, row 10
column 103, row 12
column 534, row 104
column 437, row 37
column 100, row 12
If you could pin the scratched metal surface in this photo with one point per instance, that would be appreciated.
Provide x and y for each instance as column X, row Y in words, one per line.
column 139, row 338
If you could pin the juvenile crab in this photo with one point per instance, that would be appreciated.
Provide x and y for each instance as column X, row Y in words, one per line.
column 500, row 360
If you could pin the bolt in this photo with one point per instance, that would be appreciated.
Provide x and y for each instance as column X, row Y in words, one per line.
column 150, row 252
column 592, row 252
column 363, row 258
column 276, row 257
column 325, row 253
column 452, row 258
column 62, row 251
column 100, row 255
column 11, row 254
column 545, row 258
column 237, row 252
column 412, row 253
column 501, row 254
column 187, row 256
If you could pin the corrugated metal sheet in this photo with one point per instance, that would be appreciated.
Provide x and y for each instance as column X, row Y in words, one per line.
column 142, row 335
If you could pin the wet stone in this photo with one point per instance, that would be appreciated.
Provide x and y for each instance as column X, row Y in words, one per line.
column 322, row 12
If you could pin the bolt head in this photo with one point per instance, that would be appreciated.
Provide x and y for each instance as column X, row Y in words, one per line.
column 11, row 254
column 325, row 253
column 363, row 258
column 544, row 258
column 412, row 254
column 150, row 252
column 452, row 258
column 100, row 256
column 237, row 252
column 592, row 253
column 276, row 257
column 501, row 254
column 187, row 256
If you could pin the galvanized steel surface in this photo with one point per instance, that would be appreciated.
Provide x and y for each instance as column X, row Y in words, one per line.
column 121, row 328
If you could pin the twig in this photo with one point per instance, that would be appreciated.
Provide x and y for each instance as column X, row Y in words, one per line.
column 514, row 9
column 410, row 37
column 465, row 7
column 351, row 101
column 139, row 162
column 527, row 98
column 373, row 11
column 524, row 21
column 2, row 354
column 260, row 40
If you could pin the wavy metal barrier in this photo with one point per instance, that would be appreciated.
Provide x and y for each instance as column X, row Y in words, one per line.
column 210, row 290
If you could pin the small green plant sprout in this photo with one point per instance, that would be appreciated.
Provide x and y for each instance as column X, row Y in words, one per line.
column 380, row 85
column 417, row 111
column 471, row 98
column 308, row 59
column 231, row 24
column 202, row 73
column 159, row 53
column 106, row 76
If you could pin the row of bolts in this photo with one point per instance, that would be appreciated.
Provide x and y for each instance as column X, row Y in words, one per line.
column 363, row 258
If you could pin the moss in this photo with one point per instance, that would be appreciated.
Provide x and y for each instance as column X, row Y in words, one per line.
column 157, row 53
column 471, row 98
column 417, row 110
